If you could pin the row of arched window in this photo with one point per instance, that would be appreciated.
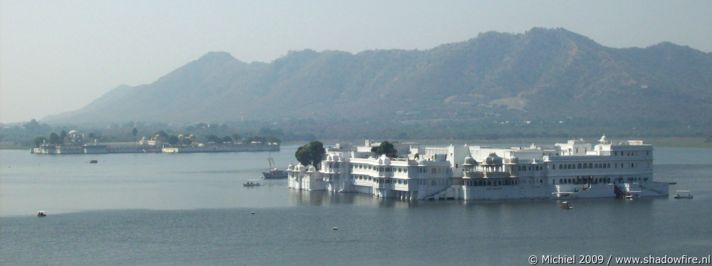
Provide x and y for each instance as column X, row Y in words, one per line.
column 483, row 182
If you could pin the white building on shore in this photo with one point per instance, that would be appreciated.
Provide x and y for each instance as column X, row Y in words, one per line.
column 571, row 169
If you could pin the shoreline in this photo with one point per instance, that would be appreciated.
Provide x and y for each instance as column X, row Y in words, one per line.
column 675, row 142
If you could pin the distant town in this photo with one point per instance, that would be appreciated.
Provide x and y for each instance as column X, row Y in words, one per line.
column 76, row 142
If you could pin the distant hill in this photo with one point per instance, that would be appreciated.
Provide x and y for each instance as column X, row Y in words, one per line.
column 542, row 74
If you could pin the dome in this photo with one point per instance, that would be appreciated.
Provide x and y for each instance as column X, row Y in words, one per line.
column 311, row 169
column 290, row 167
column 493, row 159
column 299, row 168
column 470, row 161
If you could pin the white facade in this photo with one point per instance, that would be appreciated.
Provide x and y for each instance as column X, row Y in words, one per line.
column 572, row 169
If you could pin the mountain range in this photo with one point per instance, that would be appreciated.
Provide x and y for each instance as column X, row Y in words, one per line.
column 542, row 74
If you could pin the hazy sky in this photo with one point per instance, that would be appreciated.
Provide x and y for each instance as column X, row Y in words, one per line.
column 57, row 56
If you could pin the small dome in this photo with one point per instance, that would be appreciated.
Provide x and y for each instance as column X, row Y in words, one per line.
column 311, row 169
column 299, row 168
column 470, row 161
column 493, row 159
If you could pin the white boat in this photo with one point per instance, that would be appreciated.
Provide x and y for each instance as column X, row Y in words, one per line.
column 683, row 194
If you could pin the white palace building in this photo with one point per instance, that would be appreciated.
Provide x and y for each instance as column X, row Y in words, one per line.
column 571, row 169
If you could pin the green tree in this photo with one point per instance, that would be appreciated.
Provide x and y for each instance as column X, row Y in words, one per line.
column 160, row 134
column 33, row 125
column 311, row 153
column 173, row 140
column 386, row 148
column 54, row 138
column 134, row 132
column 255, row 139
column 213, row 138
column 236, row 138
column 39, row 140
column 272, row 139
column 62, row 137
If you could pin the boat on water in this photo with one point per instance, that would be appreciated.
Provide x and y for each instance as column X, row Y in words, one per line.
column 94, row 161
column 272, row 172
column 251, row 184
column 566, row 205
column 41, row 214
column 683, row 194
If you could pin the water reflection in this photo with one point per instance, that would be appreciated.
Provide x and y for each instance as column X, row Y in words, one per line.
column 323, row 198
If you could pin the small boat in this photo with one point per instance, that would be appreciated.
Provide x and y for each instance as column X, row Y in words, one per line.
column 565, row 205
column 629, row 196
column 94, row 161
column 683, row 194
column 251, row 184
column 41, row 214
column 273, row 172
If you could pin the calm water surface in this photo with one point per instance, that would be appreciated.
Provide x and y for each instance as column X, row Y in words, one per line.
column 192, row 209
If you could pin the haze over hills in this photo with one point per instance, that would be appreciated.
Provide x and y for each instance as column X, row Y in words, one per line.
column 542, row 74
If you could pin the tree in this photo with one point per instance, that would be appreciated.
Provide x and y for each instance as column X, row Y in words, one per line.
column 62, row 137
column 33, row 125
column 236, row 138
column 213, row 138
column 134, row 132
column 272, row 139
column 311, row 153
column 256, row 139
column 54, row 138
column 386, row 148
column 160, row 135
column 39, row 140
column 173, row 140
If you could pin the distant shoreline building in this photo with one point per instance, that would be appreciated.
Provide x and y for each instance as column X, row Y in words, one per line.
column 566, row 170
column 74, row 145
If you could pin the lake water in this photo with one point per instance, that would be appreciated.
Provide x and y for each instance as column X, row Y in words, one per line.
column 193, row 209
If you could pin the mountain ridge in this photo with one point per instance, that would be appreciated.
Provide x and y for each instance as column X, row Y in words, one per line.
column 540, row 74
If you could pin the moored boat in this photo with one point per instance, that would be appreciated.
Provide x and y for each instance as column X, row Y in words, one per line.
column 251, row 184
column 565, row 205
column 683, row 194
column 273, row 172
